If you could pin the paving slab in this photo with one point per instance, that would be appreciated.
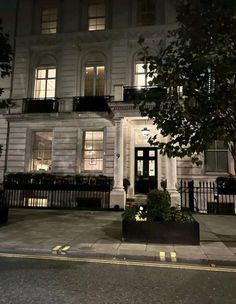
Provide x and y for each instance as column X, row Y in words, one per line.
column 160, row 248
column 98, row 234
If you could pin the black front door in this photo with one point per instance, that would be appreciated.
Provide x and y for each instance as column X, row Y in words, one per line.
column 145, row 169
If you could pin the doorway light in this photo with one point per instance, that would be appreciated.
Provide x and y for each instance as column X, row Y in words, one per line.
column 145, row 131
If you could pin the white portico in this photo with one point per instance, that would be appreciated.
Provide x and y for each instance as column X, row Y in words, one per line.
column 139, row 162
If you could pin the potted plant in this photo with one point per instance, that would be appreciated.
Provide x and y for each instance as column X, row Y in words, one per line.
column 126, row 184
column 3, row 209
column 158, row 222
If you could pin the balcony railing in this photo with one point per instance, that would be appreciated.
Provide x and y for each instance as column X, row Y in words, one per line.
column 127, row 94
column 134, row 94
column 91, row 104
column 35, row 105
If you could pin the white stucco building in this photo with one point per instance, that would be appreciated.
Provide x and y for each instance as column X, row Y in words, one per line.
column 76, row 74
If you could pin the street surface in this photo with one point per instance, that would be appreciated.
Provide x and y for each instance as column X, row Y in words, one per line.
column 40, row 281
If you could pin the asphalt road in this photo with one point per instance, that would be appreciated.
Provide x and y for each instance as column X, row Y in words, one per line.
column 24, row 281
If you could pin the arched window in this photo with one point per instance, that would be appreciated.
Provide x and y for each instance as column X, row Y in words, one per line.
column 45, row 78
column 94, row 75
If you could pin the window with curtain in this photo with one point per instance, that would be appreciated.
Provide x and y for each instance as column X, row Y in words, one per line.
column 146, row 10
column 93, row 151
column 41, row 159
column 49, row 20
column 45, row 82
column 216, row 158
column 94, row 80
column 96, row 16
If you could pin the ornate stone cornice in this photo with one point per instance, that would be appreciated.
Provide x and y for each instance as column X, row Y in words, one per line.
column 94, row 37
column 124, row 110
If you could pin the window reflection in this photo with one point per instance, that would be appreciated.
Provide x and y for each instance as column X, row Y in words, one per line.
column 93, row 151
column 140, row 167
column 42, row 151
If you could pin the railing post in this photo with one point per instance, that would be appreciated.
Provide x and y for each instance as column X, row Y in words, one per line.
column 191, row 195
column 217, row 199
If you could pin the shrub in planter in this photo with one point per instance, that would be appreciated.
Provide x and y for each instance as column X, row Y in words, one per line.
column 134, row 213
column 130, row 212
column 226, row 184
column 29, row 178
column 159, row 222
column 158, row 206
column 180, row 217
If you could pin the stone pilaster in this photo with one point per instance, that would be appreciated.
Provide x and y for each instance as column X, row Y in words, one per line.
column 117, row 196
column 171, row 175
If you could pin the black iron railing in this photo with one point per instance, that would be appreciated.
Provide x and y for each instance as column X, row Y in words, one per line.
column 48, row 191
column 35, row 105
column 206, row 197
column 92, row 104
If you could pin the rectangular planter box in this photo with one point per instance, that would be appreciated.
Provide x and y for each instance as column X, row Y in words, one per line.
column 161, row 233
column 3, row 215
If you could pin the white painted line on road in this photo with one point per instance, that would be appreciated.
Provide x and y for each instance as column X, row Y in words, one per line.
column 119, row 262
column 162, row 256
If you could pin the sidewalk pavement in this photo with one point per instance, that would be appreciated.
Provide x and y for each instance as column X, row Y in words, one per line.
column 98, row 234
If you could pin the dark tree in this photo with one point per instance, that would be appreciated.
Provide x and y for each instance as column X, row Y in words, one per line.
column 5, row 55
column 5, row 64
column 200, row 57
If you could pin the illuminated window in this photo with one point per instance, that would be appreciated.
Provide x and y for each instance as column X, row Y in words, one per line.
column 93, row 151
column 94, row 80
column 146, row 12
column 180, row 91
column 211, row 81
column 216, row 158
column 49, row 21
column 140, row 77
column 42, row 151
column 45, row 83
column 96, row 16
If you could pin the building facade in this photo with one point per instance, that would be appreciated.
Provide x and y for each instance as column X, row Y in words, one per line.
column 76, row 75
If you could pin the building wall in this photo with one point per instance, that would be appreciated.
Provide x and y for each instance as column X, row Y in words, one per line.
column 8, row 17
column 67, row 143
column 70, row 48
